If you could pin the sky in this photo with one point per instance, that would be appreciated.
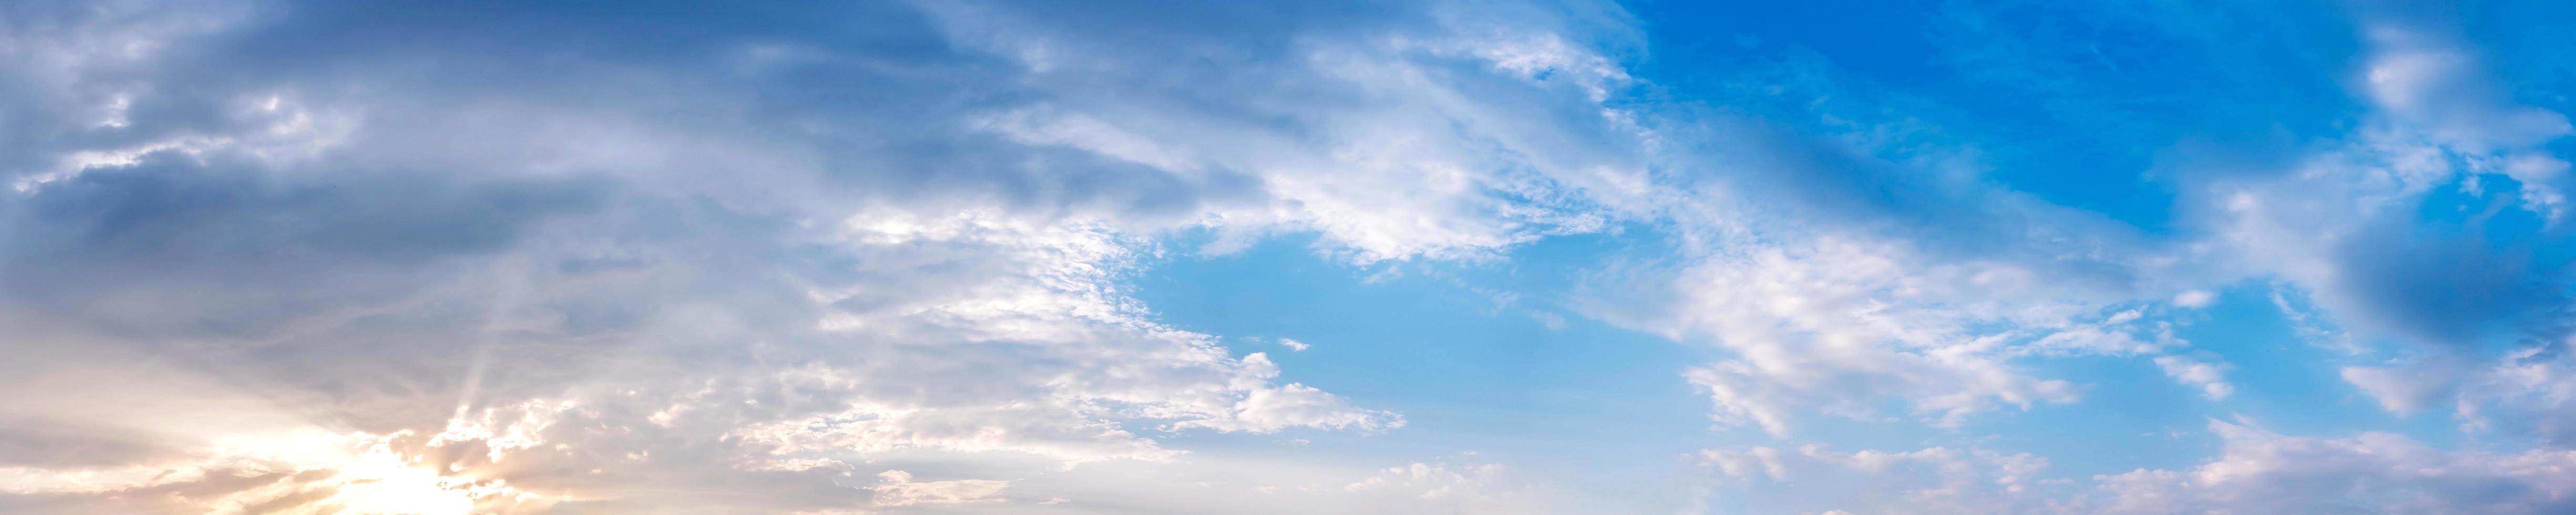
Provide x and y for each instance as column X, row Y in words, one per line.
column 1390, row 256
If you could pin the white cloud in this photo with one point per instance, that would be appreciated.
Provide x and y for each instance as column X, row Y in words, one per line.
column 1931, row 480
column 308, row 472
column 1433, row 482
column 2431, row 83
column 2194, row 299
column 594, row 294
column 2210, row 377
column 1412, row 159
column 587, row 277
column 1267, row 409
column 2399, row 390
column 2258, row 472
column 1839, row 325
column 2526, row 390
column 896, row 488
column 2262, row 472
column 2341, row 227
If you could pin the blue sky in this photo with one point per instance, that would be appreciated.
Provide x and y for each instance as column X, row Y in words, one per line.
column 1834, row 257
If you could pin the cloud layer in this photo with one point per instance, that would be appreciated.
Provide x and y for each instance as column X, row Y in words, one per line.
column 308, row 257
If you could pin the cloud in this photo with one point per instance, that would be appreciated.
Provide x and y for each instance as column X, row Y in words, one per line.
column 2345, row 226
column 2257, row 472
column 2429, row 81
column 2403, row 391
column 897, row 489
column 1840, row 323
column 279, row 255
column 2344, row 223
column 1847, row 261
column 1435, row 482
column 1931, row 480
column 2521, row 392
column 2211, row 378
column 1407, row 163
column 1462, row 487
column 2194, row 299
column 754, row 261
column 2264, row 472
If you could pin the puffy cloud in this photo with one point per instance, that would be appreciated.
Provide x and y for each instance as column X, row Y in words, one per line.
column 2431, row 82
column 1268, row 410
column 2522, row 392
column 2344, row 226
column 2210, row 377
column 2194, row 299
column 2343, row 220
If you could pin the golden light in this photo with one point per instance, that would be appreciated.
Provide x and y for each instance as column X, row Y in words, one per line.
column 367, row 475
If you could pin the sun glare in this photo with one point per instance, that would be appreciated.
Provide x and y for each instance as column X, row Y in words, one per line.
column 368, row 475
